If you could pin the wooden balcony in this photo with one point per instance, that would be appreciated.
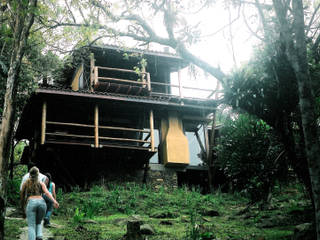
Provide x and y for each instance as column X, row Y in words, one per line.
column 96, row 135
column 142, row 86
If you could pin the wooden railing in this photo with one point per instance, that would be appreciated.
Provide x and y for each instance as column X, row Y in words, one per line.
column 95, row 78
column 95, row 139
column 144, row 83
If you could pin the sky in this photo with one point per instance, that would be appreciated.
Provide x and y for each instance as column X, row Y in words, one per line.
column 215, row 48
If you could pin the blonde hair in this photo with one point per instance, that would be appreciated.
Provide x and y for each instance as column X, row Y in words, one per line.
column 32, row 184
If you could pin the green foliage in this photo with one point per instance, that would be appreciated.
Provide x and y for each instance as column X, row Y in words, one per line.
column 185, row 209
column 248, row 155
column 78, row 216
column 13, row 191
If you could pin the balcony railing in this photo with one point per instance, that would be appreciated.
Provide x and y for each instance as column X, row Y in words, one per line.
column 61, row 132
column 143, row 86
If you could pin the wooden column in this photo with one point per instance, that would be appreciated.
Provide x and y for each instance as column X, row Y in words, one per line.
column 43, row 122
column 206, row 138
column 180, row 86
column 152, row 130
column 91, row 71
column 149, row 82
column 96, row 126
column 95, row 75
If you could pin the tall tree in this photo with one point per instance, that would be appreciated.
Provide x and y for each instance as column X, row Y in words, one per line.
column 20, row 16
column 293, row 36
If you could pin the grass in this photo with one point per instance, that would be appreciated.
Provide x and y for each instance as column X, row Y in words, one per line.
column 13, row 228
column 102, row 213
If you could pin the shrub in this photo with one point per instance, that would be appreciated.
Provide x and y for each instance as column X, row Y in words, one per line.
column 248, row 155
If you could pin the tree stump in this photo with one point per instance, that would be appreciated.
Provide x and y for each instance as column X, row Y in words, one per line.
column 133, row 230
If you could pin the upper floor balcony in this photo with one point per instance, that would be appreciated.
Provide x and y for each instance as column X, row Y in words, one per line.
column 108, row 71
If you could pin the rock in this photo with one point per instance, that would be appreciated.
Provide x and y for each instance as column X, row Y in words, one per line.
column 267, row 223
column 211, row 213
column 305, row 231
column 137, row 217
column 89, row 221
column 206, row 219
column 147, row 229
column 164, row 214
column 185, row 218
column 133, row 230
column 120, row 221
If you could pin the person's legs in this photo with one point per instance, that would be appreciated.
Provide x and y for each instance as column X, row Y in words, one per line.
column 49, row 210
column 40, row 212
column 31, row 219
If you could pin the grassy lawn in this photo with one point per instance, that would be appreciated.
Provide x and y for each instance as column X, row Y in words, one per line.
column 103, row 212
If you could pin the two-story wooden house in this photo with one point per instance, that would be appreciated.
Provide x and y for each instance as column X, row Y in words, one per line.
column 119, row 108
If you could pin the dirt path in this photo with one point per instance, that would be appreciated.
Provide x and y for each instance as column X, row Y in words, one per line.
column 47, row 235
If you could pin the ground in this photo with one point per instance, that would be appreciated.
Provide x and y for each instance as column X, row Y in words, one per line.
column 103, row 213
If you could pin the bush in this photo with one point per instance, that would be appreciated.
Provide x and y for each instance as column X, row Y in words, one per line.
column 248, row 155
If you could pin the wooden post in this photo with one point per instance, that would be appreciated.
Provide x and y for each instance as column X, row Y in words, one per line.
column 149, row 82
column 152, row 130
column 43, row 122
column 180, row 86
column 211, row 146
column 91, row 71
column 96, row 126
column 206, row 138
column 143, row 75
column 95, row 75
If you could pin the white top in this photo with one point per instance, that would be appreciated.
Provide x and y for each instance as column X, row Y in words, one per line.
column 41, row 177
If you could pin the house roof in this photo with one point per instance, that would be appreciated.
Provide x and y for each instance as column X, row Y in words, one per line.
column 172, row 62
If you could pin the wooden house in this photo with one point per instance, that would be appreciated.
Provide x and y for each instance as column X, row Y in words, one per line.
column 104, row 119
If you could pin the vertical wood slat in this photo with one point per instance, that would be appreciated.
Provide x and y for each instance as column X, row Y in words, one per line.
column 152, row 130
column 180, row 86
column 96, row 126
column 43, row 122
column 95, row 75
column 91, row 71
column 206, row 139
column 149, row 82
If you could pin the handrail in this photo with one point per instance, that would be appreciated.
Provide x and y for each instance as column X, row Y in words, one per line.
column 121, row 70
column 103, row 127
column 88, row 136
column 62, row 134
column 122, row 80
column 146, row 81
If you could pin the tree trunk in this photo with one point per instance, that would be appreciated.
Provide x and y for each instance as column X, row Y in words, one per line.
column 297, row 53
column 22, row 20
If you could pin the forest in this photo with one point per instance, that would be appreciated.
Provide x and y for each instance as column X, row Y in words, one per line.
column 268, row 146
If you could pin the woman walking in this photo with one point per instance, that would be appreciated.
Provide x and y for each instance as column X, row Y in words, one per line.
column 34, row 204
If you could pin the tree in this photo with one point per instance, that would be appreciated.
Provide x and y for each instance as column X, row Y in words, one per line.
column 20, row 16
column 293, row 36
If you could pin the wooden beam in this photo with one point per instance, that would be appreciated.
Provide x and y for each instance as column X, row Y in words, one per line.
column 120, row 80
column 43, row 122
column 120, row 70
column 100, row 127
column 149, row 82
column 96, row 73
column 206, row 138
column 91, row 71
column 152, row 130
column 96, row 126
column 180, row 86
column 124, row 139
column 200, row 143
